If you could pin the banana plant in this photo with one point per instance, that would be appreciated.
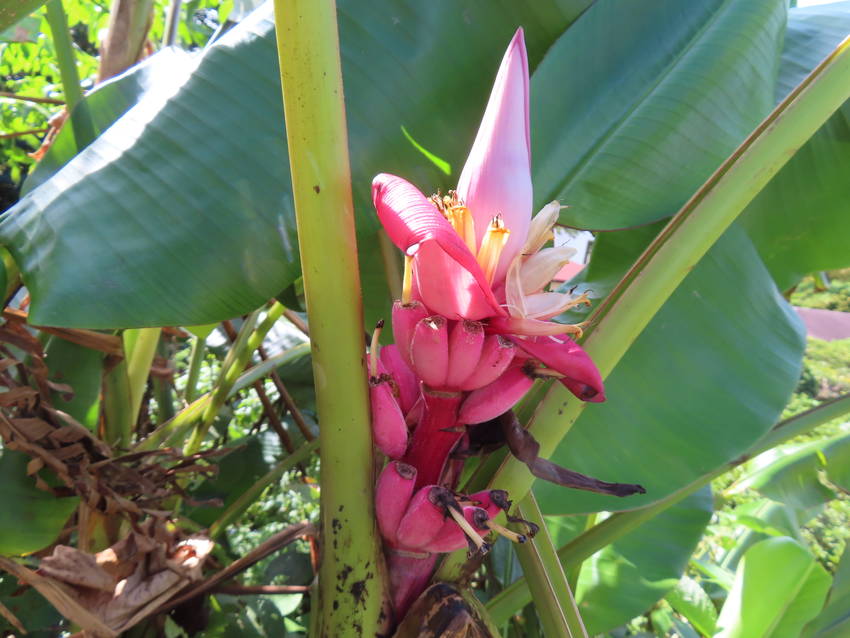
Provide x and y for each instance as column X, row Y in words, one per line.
column 689, row 140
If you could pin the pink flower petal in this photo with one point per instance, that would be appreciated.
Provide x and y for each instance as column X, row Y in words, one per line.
column 496, row 178
column 448, row 288
column 415, row 225
column 566, row 356
column 532, row 327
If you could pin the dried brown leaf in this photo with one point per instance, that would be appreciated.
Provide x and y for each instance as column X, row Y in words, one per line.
column 74, row 567
column 33, row 428
column 23, row 396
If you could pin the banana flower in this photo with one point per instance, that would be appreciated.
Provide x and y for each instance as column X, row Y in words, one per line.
column 476, row 256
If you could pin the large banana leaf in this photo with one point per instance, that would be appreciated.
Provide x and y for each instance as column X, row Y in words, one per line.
column 802, row 478
column 638, row 103
column 766, row 602
column 834, row 620
column 13, row 10
column 801, row 221
column 708, row 376
column 182, row 209
column 633, row 573
column 160, row 74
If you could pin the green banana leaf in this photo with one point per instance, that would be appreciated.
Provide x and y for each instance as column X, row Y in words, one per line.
column 801, row 221
column 708, row 376
column 13, row 10
column 802, row 478
column 756, row 521
column 82, row 369
column 834, row 620
column 182, row 207
column 766, row 602
column 689, row 599
column 639, row 102
column 32, row 518
column 633, row 573
column 158, row 74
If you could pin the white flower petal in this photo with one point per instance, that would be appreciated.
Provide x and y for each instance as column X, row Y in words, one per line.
column 540, row 228
column 539, row 269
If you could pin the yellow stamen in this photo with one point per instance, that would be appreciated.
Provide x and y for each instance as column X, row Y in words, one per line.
column 547, row 372
column 374, row 349
column 458, row 216
column 464, row 225
column 492, row 245
column 473, row 535
column 504, row 531
column 407, row 282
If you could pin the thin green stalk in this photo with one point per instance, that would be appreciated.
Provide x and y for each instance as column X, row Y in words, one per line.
column 237, row 359
column 124, row 385
column 683, row 242
column 139, row 348
column 196, row 360
column 81, row 122
column 546, row 580
column 117, row 419
column 172, row 432
column 512, row 598
column 238, row 507
column 311, row 77
column 163, row 388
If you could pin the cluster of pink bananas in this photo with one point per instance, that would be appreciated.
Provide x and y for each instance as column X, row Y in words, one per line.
column 472, row 332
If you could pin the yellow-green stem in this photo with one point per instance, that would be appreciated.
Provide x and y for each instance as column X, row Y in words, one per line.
column 196, row 359
column 546, row 580
column 81, row 123
column 237, row 359
column 350, row 588
column 172, row 432
column 139, row 348
column 683, row 242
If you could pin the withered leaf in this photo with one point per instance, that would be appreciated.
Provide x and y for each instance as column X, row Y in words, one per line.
column 7, row 362
column 109, row 592
column 33, row 428
column 525, row 448
column 23, row 395
column 72, row 566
